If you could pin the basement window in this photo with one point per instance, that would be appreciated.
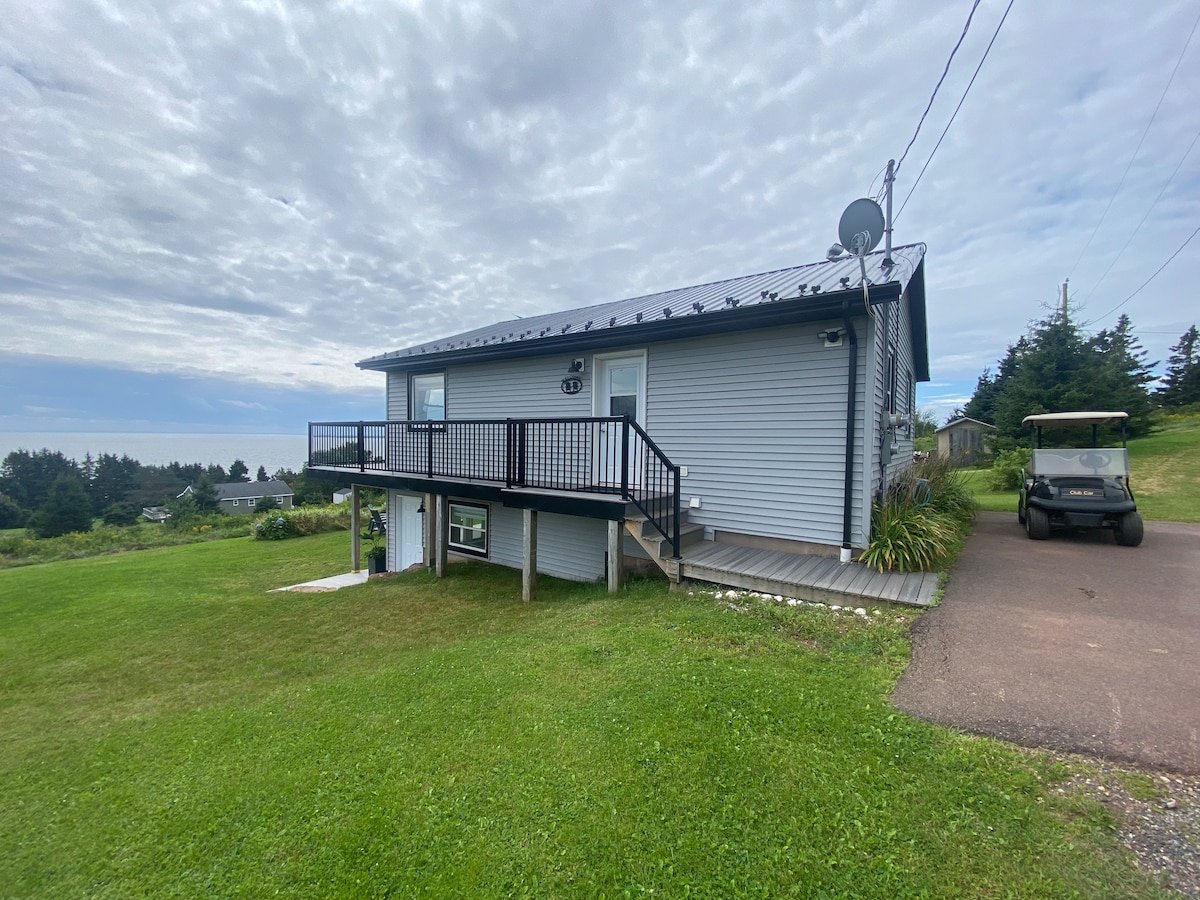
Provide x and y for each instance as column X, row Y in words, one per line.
column 469, row 529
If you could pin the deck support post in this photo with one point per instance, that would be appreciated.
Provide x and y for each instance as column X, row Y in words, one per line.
column 355, row 528
column 616, row 556
column 429, row 531
column 529, row 556
column 442, row 535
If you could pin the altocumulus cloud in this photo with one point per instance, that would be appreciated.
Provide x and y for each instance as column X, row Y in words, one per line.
column 270, row 192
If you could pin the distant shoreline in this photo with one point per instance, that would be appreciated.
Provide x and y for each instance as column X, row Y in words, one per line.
column 273, row 451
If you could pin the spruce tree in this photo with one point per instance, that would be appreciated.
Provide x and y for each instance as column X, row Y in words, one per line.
column 66, row 509
column 1181, row 384
column 1122, row 378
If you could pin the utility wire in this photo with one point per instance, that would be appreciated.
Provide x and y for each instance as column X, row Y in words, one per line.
column 1137, row 148
column 1144, row 218
column 1151, row 278
column 956, row 109
column 939, row 84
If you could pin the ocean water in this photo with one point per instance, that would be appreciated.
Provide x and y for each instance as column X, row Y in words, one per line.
column 273, row 451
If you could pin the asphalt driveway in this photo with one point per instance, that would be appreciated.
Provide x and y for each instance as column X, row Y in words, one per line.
column 1071, row 644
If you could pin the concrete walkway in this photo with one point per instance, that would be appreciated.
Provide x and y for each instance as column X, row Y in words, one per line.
column 1071, row 644
column 331, row 583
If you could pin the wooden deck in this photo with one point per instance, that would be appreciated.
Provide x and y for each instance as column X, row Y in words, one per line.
column 818, row 578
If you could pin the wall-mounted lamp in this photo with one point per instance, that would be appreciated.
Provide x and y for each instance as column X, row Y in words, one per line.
column 575, row 367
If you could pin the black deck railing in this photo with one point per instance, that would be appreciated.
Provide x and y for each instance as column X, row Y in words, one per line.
column 600, row 455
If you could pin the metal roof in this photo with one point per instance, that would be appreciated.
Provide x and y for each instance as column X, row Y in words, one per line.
column 819, row 286
column 240, row 490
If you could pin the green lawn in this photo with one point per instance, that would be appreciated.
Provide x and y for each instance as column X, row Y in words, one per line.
column 172, row 730
column 1164, row 472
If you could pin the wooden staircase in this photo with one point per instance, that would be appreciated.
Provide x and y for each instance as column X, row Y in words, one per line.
column 819, row 579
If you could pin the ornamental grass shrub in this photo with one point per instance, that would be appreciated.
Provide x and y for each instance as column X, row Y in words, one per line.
column 921, row 522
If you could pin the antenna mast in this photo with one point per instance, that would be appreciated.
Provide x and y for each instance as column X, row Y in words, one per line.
column 887, row 228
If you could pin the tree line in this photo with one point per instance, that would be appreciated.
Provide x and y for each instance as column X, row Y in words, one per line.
column 1056, row 367
column 52, row 494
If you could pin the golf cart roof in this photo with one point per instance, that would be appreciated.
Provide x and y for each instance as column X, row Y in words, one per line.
column 1075, row 418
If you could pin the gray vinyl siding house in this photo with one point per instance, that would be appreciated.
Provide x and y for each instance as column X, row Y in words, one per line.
column 744, row 387
column 242, row 497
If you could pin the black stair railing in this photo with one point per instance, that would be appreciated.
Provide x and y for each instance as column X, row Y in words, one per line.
column 605, row 455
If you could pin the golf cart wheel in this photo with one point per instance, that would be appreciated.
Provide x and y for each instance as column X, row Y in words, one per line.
column 1037, row 523
column 1129, row 529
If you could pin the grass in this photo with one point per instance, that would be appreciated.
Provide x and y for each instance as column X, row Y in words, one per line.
column 172, row 730
column 1164, row 472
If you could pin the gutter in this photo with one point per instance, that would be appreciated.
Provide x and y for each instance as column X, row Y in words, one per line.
column 851, row 396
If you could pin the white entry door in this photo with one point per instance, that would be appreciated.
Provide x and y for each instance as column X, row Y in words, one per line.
column 620, row 390
column 407, row 527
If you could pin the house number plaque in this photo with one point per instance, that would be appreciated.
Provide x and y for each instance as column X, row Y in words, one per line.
column 572, row 384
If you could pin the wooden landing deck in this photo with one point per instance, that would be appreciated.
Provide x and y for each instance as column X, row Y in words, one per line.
column 817, row 578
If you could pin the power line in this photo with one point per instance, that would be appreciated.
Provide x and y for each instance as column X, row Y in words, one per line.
column 956, row 109
column 938, row 85
column 1129, row 240
column 1151, row 278
column 1137, row 148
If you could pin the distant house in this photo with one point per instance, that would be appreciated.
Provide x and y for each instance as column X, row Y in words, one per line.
column 243, row 496
column 962, row 440
column 341, row 495
column 759, row 414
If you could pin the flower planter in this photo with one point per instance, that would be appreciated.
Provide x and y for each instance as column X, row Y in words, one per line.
column 376, row 565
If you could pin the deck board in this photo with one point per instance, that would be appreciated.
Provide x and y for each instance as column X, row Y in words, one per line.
column 804, row 576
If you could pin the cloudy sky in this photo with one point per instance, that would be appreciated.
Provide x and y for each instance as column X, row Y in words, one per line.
column 212, row 209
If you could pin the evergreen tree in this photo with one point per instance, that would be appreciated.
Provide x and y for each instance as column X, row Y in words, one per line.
column 113, row 481
column 66, row 509
column 28, row 477
column 267, row 503
column 239, row 471
column 1123, row 377
column 11, row 515
column 1054, row 368
column 262, row 474
column 204, row 495
column 1181, row 385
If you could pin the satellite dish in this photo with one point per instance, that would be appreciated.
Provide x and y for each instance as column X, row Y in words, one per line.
column 861, row 227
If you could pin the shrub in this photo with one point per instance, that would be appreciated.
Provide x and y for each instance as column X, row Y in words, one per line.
column 123, row 513
column 1005, row 474
column 274, row 528
column 301, row 522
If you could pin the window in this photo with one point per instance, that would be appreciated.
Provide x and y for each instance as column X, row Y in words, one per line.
column 235, row 503
column 427, row 397
column 249, row 502
column 469, row 529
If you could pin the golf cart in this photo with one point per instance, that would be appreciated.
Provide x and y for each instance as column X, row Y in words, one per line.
column 1085, row 488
